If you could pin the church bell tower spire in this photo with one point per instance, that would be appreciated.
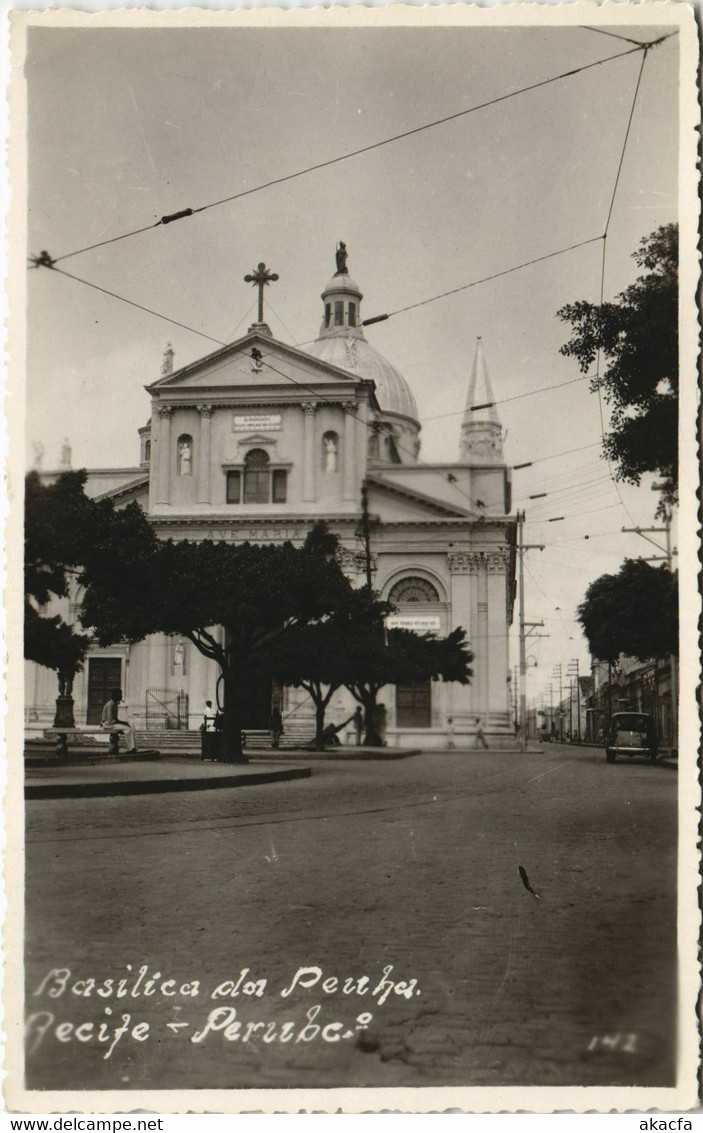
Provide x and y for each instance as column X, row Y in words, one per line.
column 481, row 431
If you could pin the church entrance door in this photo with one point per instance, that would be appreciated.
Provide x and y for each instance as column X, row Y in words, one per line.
column 413, row 705
column 104, row 674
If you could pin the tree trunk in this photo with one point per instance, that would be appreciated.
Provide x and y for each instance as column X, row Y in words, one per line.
column 319, row 722
column 371, row 736
column 231, row 739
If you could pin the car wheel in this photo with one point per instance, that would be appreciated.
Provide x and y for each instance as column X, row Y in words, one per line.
column 653, row 755
column 609, row 756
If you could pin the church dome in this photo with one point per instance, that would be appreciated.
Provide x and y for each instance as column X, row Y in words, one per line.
column 357, row 355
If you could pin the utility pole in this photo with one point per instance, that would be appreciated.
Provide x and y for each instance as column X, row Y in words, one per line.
column 365, row 533
column 550, row 690
column 521, row 548
column 573, row 671
column 667, row 557
column 557, row 674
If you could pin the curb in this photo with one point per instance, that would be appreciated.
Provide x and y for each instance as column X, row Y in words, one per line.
column 159, row 786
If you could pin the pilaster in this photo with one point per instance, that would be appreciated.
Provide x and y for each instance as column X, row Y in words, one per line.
column 349, row 480
column 164, row 463
column 309, row 408
column 203, row 496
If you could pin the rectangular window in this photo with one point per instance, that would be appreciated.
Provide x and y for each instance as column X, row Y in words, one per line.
column 328, row 314
column 257, row 486
column 352, row 314
column 339, row 314
column 280, row 484
column 234, row 487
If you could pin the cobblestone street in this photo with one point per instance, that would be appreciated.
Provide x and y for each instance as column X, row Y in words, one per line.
column 412, row 864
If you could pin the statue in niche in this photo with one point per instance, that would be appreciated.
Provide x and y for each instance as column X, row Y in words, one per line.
column 330, row 452
column 185, row 458
column 179, row 656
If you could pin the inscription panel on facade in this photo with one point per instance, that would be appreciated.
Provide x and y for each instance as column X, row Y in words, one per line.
column 250, row 422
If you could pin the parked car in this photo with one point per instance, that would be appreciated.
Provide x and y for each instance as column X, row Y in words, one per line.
column 631, row 733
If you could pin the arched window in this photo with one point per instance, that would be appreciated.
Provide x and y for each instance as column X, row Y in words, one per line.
column 330, row 452
column 257, row 477
column 185, row 455
column 147, row 451
column 413, row 590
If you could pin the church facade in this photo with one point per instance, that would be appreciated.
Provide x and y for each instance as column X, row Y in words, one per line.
column 259, row 440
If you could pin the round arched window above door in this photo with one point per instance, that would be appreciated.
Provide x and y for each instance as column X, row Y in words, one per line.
column 413, row 590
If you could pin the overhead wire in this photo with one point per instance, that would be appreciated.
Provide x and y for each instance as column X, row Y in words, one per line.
column 187, row 212
column 484, row 279
column 644, row 47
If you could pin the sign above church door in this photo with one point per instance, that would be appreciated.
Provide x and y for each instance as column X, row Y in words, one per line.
column 250, row 422
column 419, row 623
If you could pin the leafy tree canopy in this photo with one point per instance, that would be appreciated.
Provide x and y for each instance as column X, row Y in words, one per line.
column 57, row 518
column 634, row 612
column 137, row 585
column 638, row 335
column 373, row 660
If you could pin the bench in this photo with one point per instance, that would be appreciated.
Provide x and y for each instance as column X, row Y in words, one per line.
column 62, row 734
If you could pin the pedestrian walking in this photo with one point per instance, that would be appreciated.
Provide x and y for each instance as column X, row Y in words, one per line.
column 358, row 722
column 479, row 736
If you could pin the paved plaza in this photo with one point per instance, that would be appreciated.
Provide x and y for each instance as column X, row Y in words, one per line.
column 406, row 873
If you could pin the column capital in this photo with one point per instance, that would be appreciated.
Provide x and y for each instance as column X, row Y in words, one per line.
column 497, row 561
column 165, row 411
column 464, row 562
column 309, row 407
column 470, row 562
column 355, row 561
column 204, row 410
column 350, row 406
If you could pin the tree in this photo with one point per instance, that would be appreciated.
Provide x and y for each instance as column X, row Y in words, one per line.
column 315, row 656
column 372, row 660
column 57, row 517
column 638, row 334
column 310, row 659
column 257, row 594
column 634, row 612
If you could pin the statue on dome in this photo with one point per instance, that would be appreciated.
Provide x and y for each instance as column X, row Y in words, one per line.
column 341, row 258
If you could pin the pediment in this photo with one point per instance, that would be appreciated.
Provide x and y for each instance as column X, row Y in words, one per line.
column 257, row 439
column 407, row 503
column 233, row 367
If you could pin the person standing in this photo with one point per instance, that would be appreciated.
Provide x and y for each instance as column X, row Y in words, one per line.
column 381, row 721
column 276, row 727
column 111, row 722
column 358, row 722
column 207, row 716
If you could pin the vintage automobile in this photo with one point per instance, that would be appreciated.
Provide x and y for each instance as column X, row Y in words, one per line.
column 631, row 733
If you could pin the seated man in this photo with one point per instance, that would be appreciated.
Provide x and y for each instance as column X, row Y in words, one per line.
column 111, row 723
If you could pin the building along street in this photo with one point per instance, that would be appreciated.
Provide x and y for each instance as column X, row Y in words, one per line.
column 408, row 868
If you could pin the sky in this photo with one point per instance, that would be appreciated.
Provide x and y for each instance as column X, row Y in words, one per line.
column 127, row 125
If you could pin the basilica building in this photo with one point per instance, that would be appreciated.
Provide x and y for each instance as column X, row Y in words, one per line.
column 258, row 441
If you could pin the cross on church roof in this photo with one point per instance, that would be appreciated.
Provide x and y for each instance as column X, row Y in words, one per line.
column 261, row 278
